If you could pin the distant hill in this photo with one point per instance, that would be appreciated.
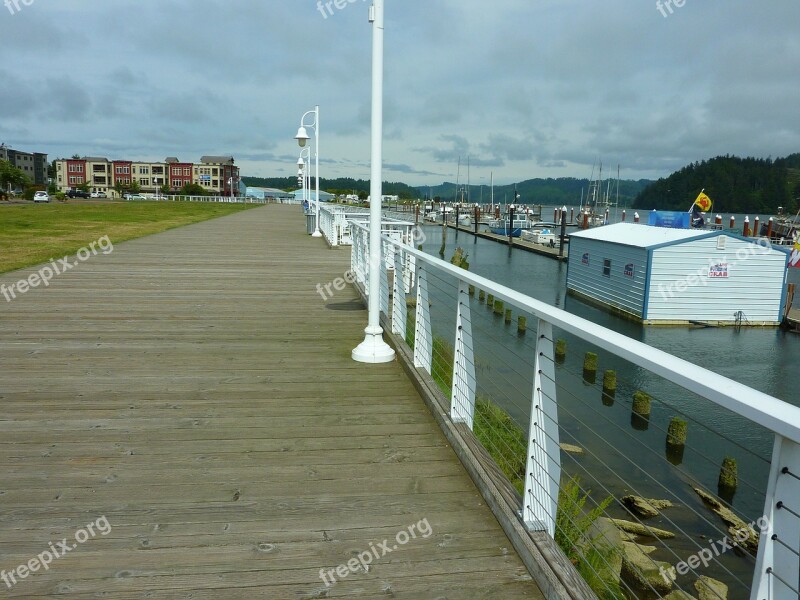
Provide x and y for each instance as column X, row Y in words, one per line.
column 735, row 185
column 342, row 186
column 549, row 192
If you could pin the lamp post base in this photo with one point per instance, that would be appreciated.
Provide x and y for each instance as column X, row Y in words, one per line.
column 373, row 349
column 317, row 233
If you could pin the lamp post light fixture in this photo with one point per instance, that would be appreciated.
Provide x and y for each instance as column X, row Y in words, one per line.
column 374, row 349
column 302, row 138
column 302, row 168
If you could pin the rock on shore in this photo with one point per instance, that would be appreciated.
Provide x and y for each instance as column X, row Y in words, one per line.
column 740, row 532
column 645, row 507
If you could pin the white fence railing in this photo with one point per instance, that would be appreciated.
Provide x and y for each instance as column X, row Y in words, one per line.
column 512, row 392
column 217, row 199
column 335, row 220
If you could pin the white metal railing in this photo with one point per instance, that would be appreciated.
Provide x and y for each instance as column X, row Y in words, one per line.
column 445, row 303
column 335, row 219
column 217, row 199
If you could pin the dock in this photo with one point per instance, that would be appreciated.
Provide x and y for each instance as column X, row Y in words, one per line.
column 195, row 391
column 540, row 249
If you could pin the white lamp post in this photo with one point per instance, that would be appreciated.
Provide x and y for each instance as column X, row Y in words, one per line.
column 302, row 138
column 373, row 349
column 302, row 167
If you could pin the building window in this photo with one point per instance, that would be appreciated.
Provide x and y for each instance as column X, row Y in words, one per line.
column 607, row 267
column 144, row 170
column 187, row 171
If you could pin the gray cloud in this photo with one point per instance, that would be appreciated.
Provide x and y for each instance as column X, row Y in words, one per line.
column 524, row 89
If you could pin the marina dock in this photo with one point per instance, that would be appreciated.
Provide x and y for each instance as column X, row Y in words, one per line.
column 195, row 390
column 516, row 242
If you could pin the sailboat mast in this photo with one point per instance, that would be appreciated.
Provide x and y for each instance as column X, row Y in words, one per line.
column 492, row 184
column 458, row 175
column 468, row 183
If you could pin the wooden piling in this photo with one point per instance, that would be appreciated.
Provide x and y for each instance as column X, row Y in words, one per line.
column 522, row 324
column 590, row 367
column 729, row 473
column 641, row 403
column 676, row 432
column 561, row 350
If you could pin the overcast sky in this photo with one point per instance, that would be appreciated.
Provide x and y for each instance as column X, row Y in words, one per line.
column 526, row 88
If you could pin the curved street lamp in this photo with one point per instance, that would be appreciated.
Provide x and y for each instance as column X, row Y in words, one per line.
column 302, row 138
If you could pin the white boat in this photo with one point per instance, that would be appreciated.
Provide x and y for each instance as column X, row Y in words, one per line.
column 514, row 229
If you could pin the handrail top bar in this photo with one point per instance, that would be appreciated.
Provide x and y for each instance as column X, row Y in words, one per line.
column 770, row 412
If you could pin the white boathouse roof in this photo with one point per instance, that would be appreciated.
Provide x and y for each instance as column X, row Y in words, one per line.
column 640, row 236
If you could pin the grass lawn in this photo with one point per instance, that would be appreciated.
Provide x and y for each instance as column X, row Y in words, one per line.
column 32, row 234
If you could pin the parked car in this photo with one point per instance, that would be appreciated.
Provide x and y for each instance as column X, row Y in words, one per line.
column 133, row 197
column 98, row 195
column 77, row 194
column 41, row 197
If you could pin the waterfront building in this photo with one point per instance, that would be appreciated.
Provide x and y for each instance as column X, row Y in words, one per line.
column 668, row 276
column 213, row 173
column 323, row 196
column 33, row 164
column 262, row 193
column 217, row 175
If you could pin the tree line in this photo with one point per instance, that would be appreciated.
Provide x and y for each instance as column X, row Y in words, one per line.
column 735, row 185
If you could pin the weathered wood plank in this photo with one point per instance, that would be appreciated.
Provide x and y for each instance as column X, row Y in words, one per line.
column 194, row 388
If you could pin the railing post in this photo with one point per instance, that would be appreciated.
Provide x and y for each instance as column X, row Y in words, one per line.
column 462, row 400
column 385, row 278
column 778, row 562
column 543, row 472
column 423, row 337
column 399, row 310
column 365, row 259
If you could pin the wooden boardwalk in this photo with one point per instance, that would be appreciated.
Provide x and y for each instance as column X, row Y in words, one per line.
column 193, row 389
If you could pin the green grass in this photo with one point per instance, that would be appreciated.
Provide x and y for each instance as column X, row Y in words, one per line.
column 591, row 556
column 32, row 234
column 503, row 438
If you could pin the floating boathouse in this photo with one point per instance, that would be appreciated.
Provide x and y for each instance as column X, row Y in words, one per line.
column 667, row 276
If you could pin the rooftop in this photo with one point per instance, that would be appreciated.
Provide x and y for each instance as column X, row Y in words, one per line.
column 638, row 235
